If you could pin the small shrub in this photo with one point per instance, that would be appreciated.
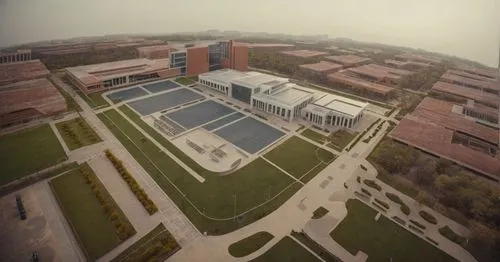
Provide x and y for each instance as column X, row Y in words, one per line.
column 319, row 213
column 428, row 217
column 418, row 224
column 358, row 179
column 447, row 232
column 382, row 203
column 366, row 192
column 416, row 229
column 405, row 209
column 372, row 184
column 394, row 198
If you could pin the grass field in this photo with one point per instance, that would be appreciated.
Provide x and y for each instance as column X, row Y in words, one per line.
column 315, row 136
column 315, row 247
column 383, row 239
column 94, row 231
column 286, row 250
column 251, row 185
column 77, row 133
column 27, row 151
column 341, row 139
column 185, row 81
column 299, row 157
column 94, row 99
column 146, row 248
column 250, row 244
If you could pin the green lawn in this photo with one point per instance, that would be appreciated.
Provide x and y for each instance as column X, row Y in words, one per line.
column 185, row 81
column 77, row 133
column 94, row 99
column 298, row 157
column 146, row 248
column 251, row 185
column 27, row 151
column 286, row 250
column 250, row 244
column 341, row 139
column 383, row 239
column 315, row 136
column 94, row 231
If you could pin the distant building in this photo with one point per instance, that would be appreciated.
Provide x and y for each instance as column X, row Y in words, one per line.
column 154, row 52
column 24, row 101
column 16, row 56
column 304, row 53
column 21, row 71
column 417, row 58
column 349, row 60
column 408, row 65
column 379, row 74
column 322, row 68
column 356, row 83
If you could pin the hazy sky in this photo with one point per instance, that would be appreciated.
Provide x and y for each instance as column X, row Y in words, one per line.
column 466, row 28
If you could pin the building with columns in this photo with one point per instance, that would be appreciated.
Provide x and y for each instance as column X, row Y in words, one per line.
column 16, row 56
column 332, row 111
column 277, row 96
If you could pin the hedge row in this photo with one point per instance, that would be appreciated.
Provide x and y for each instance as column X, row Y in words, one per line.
column 123, row 228
column 372, row 184
column 418, row 224
column 382, row 203
column 447, row 232
column 395, row 198
column 375, row 132
column 428, row 217
column 361, row 135
column 366, row 192
column 148, row 204
column 68, row 132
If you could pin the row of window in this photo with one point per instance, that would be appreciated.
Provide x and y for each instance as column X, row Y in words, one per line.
column 276, row 110
column 14, row 58
column 333, row 120
column 218, row 87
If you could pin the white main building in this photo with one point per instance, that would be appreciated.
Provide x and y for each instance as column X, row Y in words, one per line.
column 277, row 96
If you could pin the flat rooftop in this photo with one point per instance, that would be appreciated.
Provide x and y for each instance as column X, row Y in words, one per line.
column 38, row 95
column 440, row 113
column 379, row 72
column 491, row 73
column 256, row 79
column 469, row 93
column 20, row 71
column 437, row 140
column 469, row 75
column 404, row 63
column 359, row 83
column 304, row 53
column 322, row 66
column 451, row 76
column 224, row 75
column 289, row 94
column 421, row 58
column 331, row 102
column 95, row 73
column 267, row 45
column 348, row 60
column 153, row 48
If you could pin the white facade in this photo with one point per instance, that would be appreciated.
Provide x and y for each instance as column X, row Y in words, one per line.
column 277, row 96
column 332, row 111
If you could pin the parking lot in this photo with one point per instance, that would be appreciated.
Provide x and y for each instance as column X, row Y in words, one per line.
column 128, row 94
column 161, row 86
column 20, row 238
column 164, row 101
column 199, row 114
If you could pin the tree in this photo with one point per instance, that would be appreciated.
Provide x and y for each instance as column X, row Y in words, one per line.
column 424, row 198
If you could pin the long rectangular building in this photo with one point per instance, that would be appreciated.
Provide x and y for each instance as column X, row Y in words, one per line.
column 457, row 78
column 277, row 96
column 15, row 56
column 97, row 77
column 349, row 60
column 380, row 74
column 20, row 71
column 356, row 83
column 23, row 101
column 476, row 95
